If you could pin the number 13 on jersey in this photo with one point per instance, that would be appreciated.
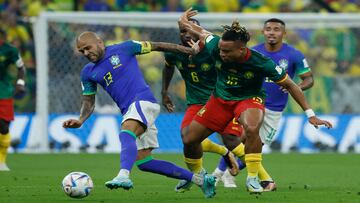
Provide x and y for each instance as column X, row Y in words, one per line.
column 108, row 78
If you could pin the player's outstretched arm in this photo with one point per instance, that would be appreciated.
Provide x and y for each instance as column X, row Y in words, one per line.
column 307, row 80
column 167, row 75
column 299, row 97
column 169, row 47
column 87, row 107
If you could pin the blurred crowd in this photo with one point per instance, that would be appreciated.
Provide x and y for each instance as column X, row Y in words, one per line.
column 330, row 53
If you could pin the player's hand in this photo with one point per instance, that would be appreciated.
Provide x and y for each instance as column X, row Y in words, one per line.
column 315, row 121
column 72, row 123
column 167, row 103
column 283, row 89
column 19, row 91
column 184, row 18
column 195, row 45
column 188, row 14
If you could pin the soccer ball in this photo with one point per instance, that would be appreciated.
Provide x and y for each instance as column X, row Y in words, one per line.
column 77, row 184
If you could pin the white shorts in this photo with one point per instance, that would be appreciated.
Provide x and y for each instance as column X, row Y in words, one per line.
column 269, row 126
column 146, row 112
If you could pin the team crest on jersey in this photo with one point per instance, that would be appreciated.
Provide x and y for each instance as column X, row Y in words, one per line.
column 115, row 61
column 248, row 75
column 284, row 63
column 205, row 67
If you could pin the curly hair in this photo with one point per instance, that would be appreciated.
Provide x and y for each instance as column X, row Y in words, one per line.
column 235, row 32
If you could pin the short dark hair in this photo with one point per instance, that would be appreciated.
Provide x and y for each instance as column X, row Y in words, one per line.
column 235, row 32
column 275, row 20
column 194, row 21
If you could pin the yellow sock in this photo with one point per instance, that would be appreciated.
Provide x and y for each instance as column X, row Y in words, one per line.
column 209, row 146
column 194, row 165
column 4, row 145
column 263, row 174
column 253, row 162
column 239, row 151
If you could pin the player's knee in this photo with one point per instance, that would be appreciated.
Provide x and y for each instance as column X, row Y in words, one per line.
column 4, row 127
column 188, row 140
column 231, row 141
column 251, row 130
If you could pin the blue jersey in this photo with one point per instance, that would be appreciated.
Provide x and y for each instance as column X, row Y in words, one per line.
column 289, row 59
column 119, row 74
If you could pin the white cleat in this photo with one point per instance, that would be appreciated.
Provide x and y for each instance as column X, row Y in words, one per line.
column 218, row 174
column 253, row 185
column 4, row 167
column 228, row 180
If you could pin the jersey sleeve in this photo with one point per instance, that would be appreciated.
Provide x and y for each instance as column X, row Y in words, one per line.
column 274, row 72
column 133, row 47
column 88, row 86
column 15, row 58
column 300, row 63
column 211, row 43
column 170, row 59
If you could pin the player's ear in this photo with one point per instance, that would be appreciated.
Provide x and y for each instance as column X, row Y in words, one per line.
column 100, row 42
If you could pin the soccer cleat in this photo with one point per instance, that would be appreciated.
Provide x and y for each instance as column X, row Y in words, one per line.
column 208, row 187
column 217, row 174
column 4, row 167
column 119, row 182
column 183, row 186
column 228, row 180
column 268, row 186
column 253, row 185
column 232, row 163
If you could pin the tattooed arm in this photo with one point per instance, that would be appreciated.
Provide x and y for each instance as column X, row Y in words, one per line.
column 87, row 107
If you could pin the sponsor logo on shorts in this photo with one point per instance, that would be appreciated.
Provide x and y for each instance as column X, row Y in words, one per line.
column 258, row 100
column 201, row 111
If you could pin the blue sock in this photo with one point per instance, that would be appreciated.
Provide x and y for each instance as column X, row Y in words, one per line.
column 222, row 164
column 242, row 165
column 128, row 149
column 164, row 168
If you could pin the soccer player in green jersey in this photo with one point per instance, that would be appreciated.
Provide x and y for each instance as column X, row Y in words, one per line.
column 9, row 57
column 199, row 75
column 238, row 93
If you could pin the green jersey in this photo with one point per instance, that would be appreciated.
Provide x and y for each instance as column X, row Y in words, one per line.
column 198, row 73
column 9, row 55
column 242, row 80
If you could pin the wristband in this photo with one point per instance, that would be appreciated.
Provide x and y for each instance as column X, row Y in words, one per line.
column 20, row 82
column 309, row 113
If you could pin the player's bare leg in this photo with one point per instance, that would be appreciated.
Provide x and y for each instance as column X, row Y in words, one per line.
column 251, row 120
column 193, row 136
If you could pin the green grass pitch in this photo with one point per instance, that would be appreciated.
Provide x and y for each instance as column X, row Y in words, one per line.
column 301, row 178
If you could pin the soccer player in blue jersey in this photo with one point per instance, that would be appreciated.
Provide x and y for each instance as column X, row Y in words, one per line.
column 294, row 63
column 115, row 68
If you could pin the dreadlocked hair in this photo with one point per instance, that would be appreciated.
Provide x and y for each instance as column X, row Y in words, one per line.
column 235, row 32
